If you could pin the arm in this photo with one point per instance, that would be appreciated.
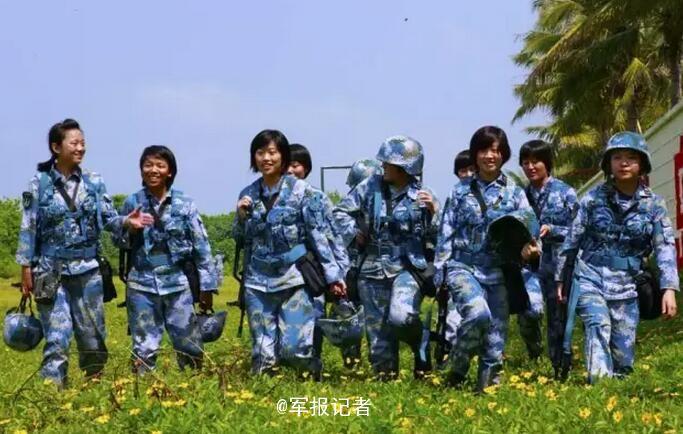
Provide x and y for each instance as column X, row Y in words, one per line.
column 201, row 251
column 572, row 242
column 446, row 232
column 28, row 229
column 344, row 212
column 569, row 202
column 663, row 244
column 333, row 237
column 123, row 238
column 317, row 229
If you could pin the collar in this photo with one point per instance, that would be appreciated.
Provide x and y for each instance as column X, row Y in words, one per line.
column 544, row 187
column 501, row 180
column 266, row 191
column 57, row 176
column 153, row 199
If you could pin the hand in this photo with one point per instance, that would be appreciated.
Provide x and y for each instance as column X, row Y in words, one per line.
column 244, row 207
column 669, row 304
column 560, row 290
column 361, row 239
column 338, row 289
column 545, row 230
column 206, row 300
column 138, row 219
column 426, row 198
column 531, row 252
column 26, row 281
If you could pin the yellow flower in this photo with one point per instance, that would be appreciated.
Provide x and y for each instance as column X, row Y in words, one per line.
column 5, row 421
column 658, row 419
column 405, row 423
column 584, row 413
column 527, row 374
column 502, row 411
column 436, row 381
column 134, row 411
column 491, row 390
column 167, row 404
column 551, row 395
column 245, row 394
column 531, row 394
column 514, row 379
column 646, row 418
column 492, row 405
column 542, row 380
column 87, row 409
column 20, row 431
column 645, row 367
column 470, row 412
column 157, row 432
column 238, row 401
column 611, row 403
column 183, row 385
column 67, row 406
column 617, row 416
column 420, row 401
column 634, row 400
column 102, row 419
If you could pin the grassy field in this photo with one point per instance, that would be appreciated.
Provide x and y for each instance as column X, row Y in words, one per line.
column 224, row 398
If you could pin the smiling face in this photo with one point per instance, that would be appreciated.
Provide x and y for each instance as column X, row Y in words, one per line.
column 625, row 164
column 268, row 160
column 72, row 149
column 489, row 160
column 534, row 169
column 156, row 172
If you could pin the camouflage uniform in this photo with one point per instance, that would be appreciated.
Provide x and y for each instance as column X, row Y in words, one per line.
column 280, row 308
column 389, row 293
column 218, row 260
column 54, row 239
column 610, row 255
column 158, row 293
column 466, row 262
column 554, row 203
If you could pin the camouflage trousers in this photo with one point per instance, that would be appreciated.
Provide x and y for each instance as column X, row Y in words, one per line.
column 610, row 331
column 530, row 328
column 530, row 321
column 392, row 312
column 77, row 309
column 149, row 314
column 282, row 325
column 350, row 354
column 483, row 329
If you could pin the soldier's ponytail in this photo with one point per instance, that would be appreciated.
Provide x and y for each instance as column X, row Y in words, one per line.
column 56, row 135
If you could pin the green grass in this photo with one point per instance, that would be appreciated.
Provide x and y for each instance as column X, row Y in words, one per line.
column 224, row 397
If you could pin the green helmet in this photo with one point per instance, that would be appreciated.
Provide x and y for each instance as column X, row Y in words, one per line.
column 404, row 152
column 627, row 140
column 361, row 170
column 509, row 233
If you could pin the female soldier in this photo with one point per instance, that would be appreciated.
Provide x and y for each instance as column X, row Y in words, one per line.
column 158, row 291
column 280, row 219
column 64, row 211
column 466, row 263
column 617, row 226
column 553, row 202
column 401, row 219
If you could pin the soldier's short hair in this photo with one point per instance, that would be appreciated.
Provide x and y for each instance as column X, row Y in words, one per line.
column 265, row 138
column 538, row 149
column 165, row 154
column 300, row 154
column 462, row 161
column 484, row 138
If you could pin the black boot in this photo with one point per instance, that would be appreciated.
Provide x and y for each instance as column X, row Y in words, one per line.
column 455, row 380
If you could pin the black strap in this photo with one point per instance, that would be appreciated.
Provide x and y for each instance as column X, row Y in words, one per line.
column 70, row 201
column 537, row 207
column 157, row 214
column 474, row 186
column 270, row 202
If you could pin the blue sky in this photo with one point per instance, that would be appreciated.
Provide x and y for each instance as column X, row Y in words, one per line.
column 204, row 77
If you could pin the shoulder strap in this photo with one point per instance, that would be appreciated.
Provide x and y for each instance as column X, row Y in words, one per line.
column 474, row 186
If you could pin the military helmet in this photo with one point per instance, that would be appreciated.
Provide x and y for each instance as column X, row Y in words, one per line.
column 627, row 140
column 211, row 325
column 404, row 152
column 361, row 170
column 22, row 332
column 509, row 233
column 345, row 325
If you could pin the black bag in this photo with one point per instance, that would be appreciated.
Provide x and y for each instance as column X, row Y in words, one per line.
column 424, row 278
column 109, row 290
column 518, row 298
column 352, row 284
column 45, row 286
column 313, row 274
column 190, row 270
column 649, row 296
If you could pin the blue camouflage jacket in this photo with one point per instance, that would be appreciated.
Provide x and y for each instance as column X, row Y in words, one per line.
column 392, row 239
column 554, row 204
column 274, row 240
column 158, row 250
column 52, row 235
column 462, row 241
column 613, row 250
